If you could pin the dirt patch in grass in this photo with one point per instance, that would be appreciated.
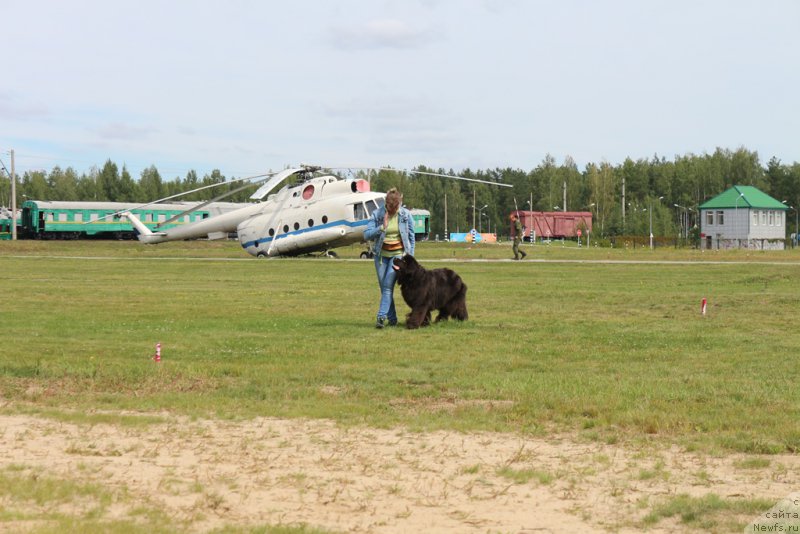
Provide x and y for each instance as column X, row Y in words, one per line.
column 207, row 474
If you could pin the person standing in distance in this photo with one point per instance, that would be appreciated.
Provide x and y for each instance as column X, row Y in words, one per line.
column 392, row 230
column 519, row 233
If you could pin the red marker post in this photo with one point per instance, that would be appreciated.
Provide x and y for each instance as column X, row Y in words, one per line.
column 157, row 356
column 703, row 306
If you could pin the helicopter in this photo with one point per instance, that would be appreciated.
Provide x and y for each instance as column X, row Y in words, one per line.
column 317, row 213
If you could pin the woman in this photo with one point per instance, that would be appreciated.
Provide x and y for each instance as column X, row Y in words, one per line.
column 392, row 229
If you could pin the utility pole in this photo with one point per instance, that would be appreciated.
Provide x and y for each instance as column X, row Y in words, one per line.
column 565, row 195
column 13, row 199
column 623, row 204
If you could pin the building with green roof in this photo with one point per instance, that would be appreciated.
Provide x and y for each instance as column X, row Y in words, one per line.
column 743, row 217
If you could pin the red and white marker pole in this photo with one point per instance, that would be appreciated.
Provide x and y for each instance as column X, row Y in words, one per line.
column 157, row 356
column 703, row 306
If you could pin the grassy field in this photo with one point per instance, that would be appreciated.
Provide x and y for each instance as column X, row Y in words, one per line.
column 610, row 351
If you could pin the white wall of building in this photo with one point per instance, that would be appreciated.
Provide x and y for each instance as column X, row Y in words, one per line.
column 767, row 224
column 742, row 227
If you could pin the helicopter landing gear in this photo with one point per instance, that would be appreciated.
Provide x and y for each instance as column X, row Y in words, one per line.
column 331, row 254
column 262, row 255
column 367, row 255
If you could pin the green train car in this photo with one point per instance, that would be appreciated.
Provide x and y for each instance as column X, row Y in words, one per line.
column 422, row 224
column 5, row 229
column 96, row 220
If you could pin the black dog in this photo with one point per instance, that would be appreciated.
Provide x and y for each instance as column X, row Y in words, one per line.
column 427, row 290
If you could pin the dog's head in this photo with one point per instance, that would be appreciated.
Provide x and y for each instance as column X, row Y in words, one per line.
column 406, row 265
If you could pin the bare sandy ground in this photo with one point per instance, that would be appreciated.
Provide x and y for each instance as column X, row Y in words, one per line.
column 212, row 473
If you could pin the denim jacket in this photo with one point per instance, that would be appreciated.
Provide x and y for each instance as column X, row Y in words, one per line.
column 374, row 231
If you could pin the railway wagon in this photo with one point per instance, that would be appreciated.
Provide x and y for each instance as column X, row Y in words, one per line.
column 554, row 224
column 5, row 229
column 422, row 223
column 95, row 220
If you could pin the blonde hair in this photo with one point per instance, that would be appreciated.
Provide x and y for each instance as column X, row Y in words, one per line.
column 393, row 200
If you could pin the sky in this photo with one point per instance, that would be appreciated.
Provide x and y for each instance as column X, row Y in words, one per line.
column 248, row 86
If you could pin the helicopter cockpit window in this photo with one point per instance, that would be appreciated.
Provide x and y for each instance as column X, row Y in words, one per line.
column 359, row 212
column 371, row 206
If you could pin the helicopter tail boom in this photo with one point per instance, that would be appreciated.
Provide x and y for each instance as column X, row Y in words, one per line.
column 144, row 234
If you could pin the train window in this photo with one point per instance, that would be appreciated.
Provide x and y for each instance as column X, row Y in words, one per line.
column 310, row 223
column 359, row 211
column 296, row 226
column 62, row 217
column 205, row 215
column 324, row 219
column 162, row 217
column 148, row 217
column 271, row 232
column 285, row 228
column 78, row 217
column 371, row 206
column 92, row 216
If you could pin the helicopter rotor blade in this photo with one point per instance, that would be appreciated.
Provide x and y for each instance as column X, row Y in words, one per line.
column 277, row 178
column 461, row 178
column 203, row 205
column 427, row 173
column 184, row 193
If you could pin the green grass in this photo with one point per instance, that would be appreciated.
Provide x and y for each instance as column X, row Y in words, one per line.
column 35, row 502
column 608, row 350
column 523, row 476
column 710, row 513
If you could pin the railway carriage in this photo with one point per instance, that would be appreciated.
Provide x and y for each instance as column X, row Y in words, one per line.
column 5, row 229
column 422, row 223
column 95, row 220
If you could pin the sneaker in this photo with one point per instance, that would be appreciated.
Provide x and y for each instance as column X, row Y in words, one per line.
column 392, row 323
column 524, row 255
column 379, row 323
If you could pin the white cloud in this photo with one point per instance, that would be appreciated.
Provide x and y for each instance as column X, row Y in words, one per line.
column 123, row 131
column 14, row 108
column 382, row 34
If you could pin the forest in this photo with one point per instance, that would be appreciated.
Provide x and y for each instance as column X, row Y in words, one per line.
column 625, row 199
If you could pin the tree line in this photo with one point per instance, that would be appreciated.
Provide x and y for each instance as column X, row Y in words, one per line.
column 657, row 191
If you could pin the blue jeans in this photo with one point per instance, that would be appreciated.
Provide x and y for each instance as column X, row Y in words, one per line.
column 386, row 279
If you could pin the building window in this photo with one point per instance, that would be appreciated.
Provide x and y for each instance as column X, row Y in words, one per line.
column 771, row 218
column 710, row 218
column 763, row 217
column 778, row 218
column 720, row 218
column 755, row 217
